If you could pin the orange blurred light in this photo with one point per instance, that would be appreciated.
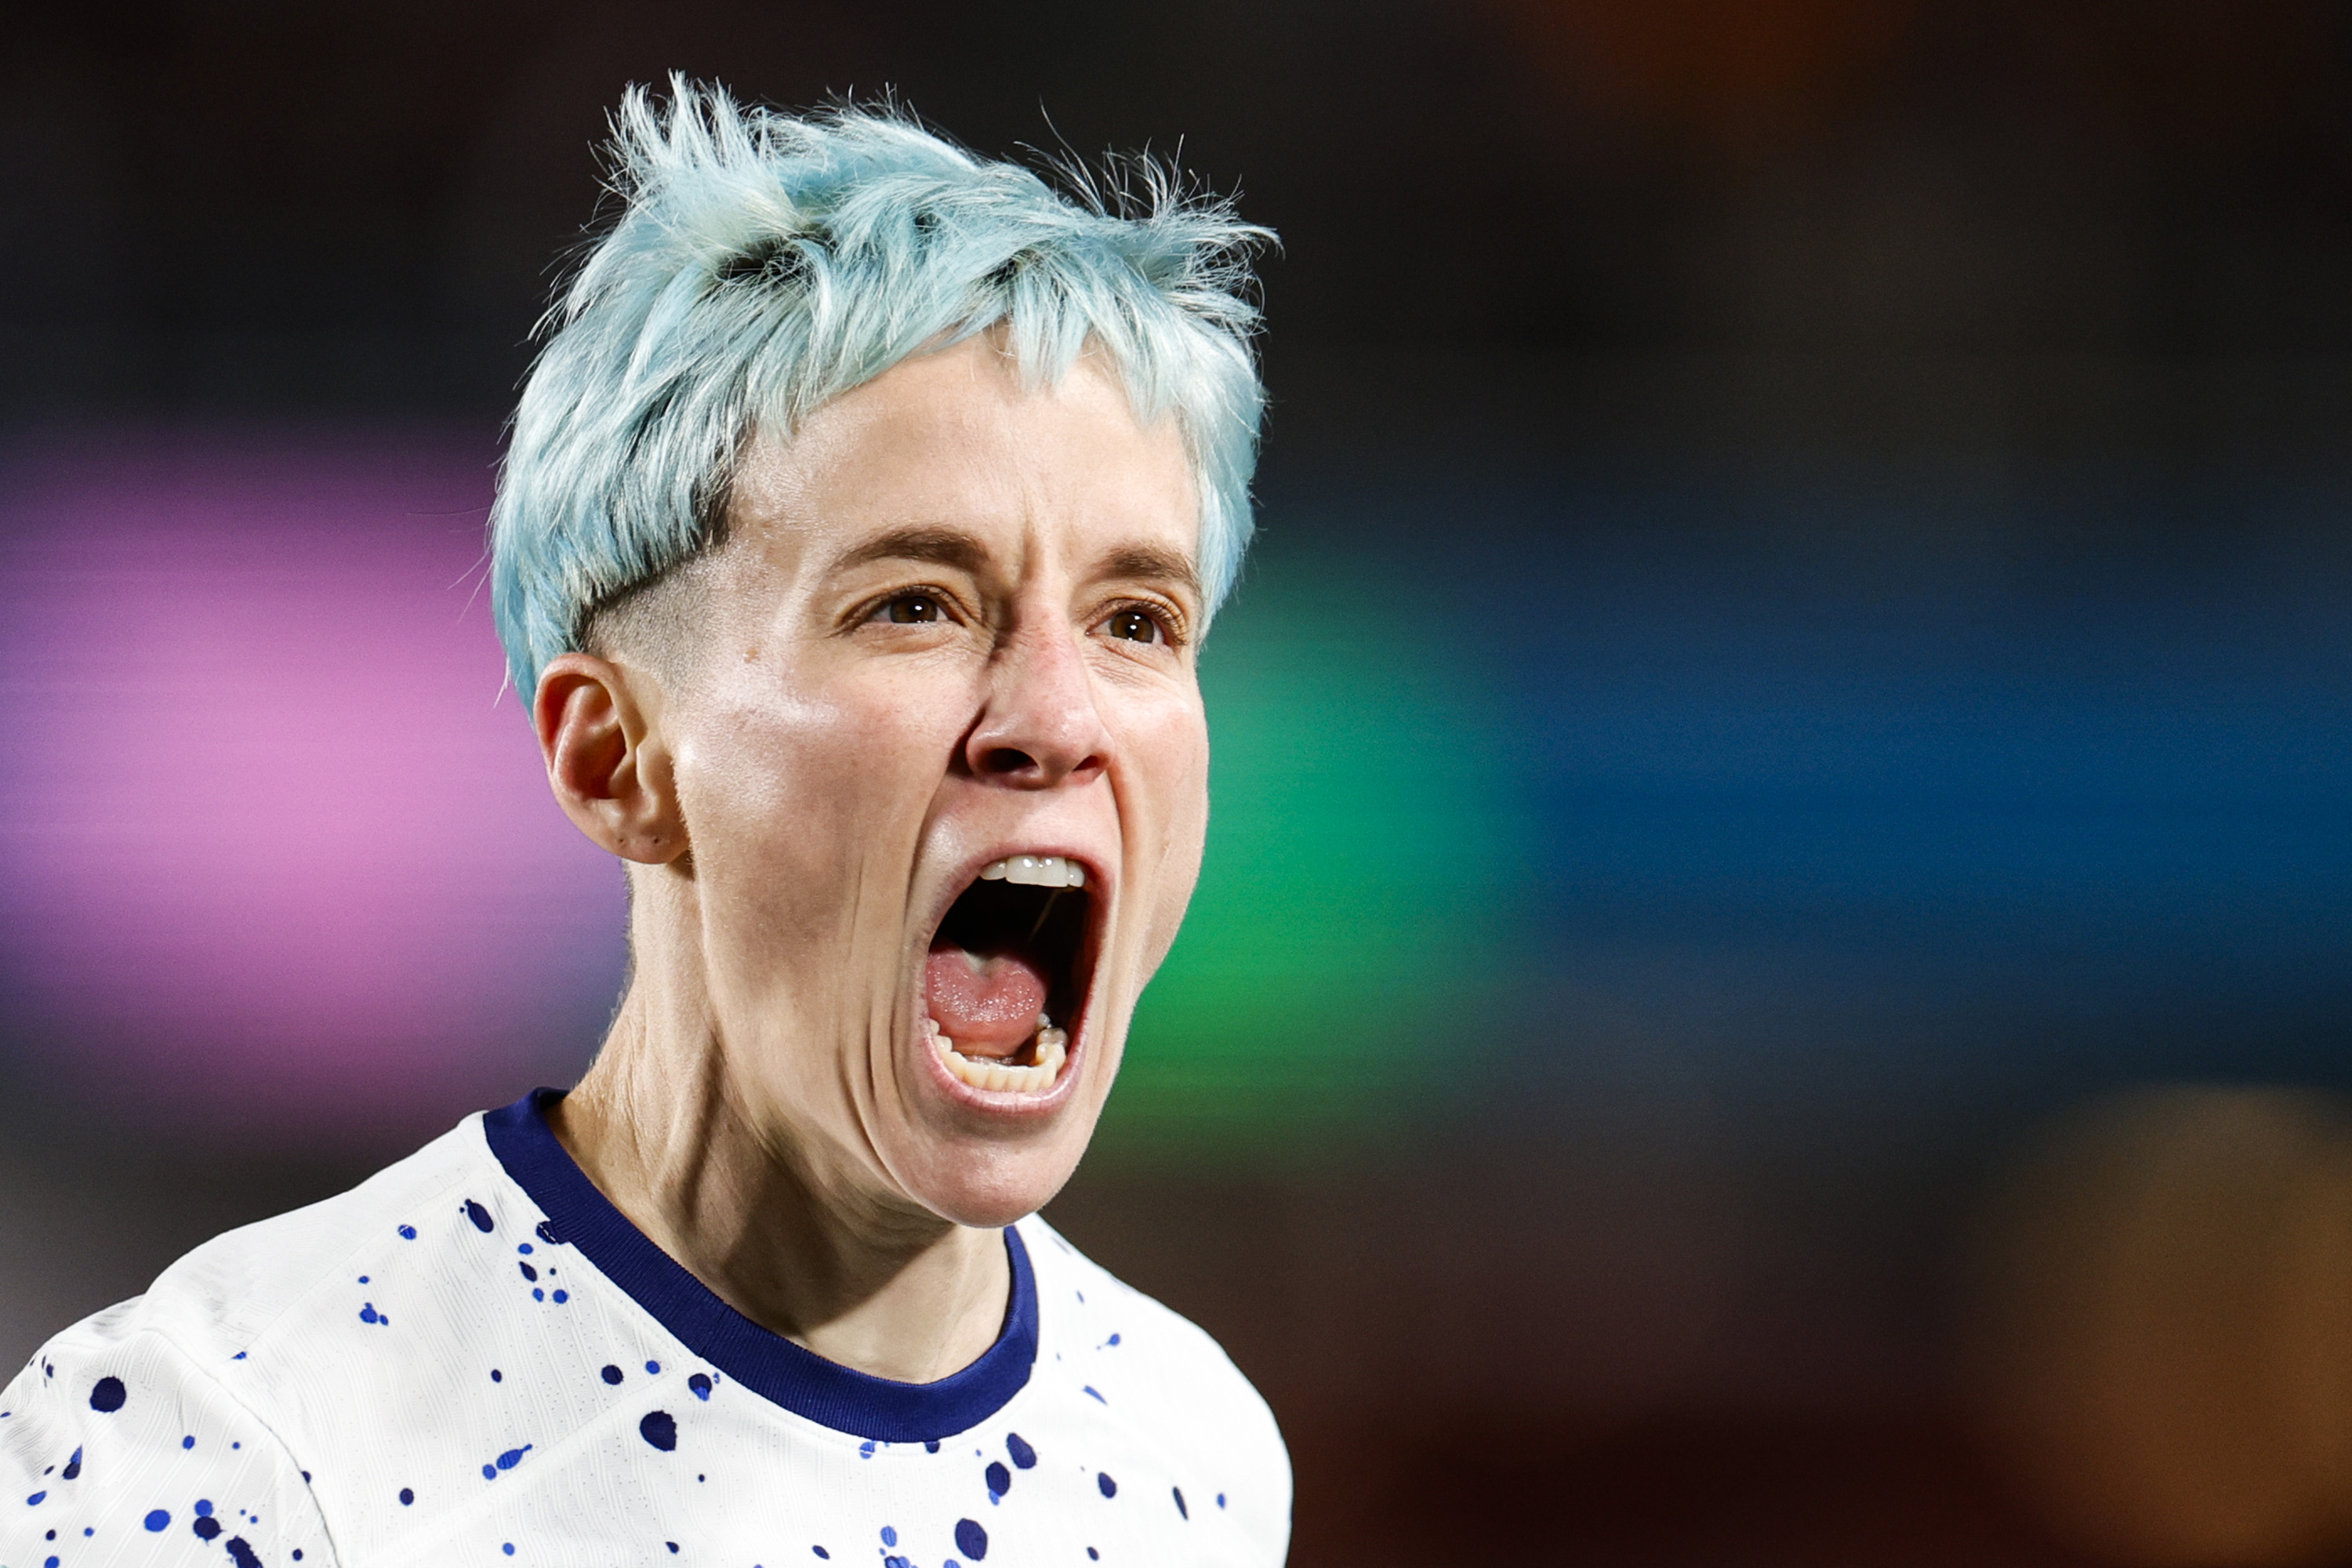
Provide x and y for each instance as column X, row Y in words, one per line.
column 1723, row 69
column 2162, row 1340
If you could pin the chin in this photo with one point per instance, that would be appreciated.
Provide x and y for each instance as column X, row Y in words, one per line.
column 989, row 1186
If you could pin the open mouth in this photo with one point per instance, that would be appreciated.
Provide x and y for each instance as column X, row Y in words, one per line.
column 1003, row 980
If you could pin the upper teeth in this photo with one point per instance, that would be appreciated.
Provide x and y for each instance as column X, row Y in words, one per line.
column 1037, row 871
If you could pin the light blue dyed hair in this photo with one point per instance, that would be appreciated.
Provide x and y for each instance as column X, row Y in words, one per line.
column 764, row 264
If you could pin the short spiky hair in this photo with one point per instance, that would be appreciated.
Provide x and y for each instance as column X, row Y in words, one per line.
column 764, row 264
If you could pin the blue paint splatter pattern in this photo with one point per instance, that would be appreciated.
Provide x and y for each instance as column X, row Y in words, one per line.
column 410, row 1341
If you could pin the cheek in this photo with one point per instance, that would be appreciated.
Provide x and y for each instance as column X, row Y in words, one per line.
column 792, row 792
column 1174, row 755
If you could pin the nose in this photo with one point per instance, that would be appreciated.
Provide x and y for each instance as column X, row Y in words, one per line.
column 1039, row 728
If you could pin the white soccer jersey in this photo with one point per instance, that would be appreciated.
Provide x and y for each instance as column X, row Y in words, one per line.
column 472, row 1358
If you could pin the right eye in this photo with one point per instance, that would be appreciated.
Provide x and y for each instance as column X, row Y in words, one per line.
column 914, row 609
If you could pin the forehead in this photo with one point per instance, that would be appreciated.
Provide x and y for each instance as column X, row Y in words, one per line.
column 958, row 440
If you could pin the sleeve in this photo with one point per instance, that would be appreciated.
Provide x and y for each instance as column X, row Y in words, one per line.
column 117, row 1451
column 1262, row 1506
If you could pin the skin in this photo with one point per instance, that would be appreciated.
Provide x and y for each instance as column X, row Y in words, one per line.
column 953, row 620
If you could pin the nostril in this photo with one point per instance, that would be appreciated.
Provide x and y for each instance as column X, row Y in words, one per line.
column 1005, row 759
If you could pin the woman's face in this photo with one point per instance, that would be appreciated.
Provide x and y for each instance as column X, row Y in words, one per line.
column 952, row 625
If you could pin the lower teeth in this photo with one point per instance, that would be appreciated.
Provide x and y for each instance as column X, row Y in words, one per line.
column 1051, row 1047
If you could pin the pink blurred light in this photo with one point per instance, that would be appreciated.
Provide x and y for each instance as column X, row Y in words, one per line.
column 274, row 840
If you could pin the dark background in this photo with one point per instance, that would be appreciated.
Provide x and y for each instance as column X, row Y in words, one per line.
column 1871, row 480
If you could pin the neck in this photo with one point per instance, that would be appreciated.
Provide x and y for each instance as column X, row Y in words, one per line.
column 783, row 1232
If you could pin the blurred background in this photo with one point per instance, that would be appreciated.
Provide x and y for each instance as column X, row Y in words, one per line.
column 1771, row 984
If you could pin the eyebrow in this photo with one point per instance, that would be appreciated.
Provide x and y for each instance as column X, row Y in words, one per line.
column 964, row 551
column 1153, row 565
column 940, row 546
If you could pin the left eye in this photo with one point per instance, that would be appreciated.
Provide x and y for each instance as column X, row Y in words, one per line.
column 1133, row 625
column 913, row 609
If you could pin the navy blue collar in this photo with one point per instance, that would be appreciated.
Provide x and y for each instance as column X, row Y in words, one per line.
column 763, row 1362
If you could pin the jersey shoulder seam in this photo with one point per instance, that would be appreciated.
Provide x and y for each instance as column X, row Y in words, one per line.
column 192, row 1367
column 321, row 1276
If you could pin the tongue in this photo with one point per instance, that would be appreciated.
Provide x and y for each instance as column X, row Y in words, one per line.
column 988, row 1007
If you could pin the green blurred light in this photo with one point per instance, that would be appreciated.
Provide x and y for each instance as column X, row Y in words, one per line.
column 1357, row 908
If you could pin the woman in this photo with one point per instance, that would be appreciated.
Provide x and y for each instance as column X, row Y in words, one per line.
column 863, row 516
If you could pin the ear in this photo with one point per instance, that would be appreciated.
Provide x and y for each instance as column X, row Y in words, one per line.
column 606, row 761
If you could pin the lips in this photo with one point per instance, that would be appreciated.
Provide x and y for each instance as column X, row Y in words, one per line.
column 1006, row 980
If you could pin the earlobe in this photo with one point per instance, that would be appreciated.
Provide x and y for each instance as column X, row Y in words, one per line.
column 606, row 760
